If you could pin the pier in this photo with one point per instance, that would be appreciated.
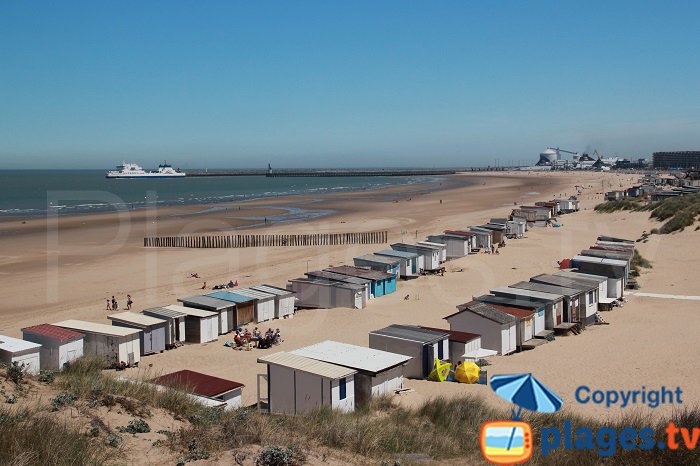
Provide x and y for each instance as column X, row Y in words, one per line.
column 319, row 173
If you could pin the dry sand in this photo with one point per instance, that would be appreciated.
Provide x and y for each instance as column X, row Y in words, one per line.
column 48, row 276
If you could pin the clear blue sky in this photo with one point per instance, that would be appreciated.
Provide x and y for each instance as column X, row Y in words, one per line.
column 328, row 83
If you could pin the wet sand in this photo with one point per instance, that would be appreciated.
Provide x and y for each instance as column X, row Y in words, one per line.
column 48, row 277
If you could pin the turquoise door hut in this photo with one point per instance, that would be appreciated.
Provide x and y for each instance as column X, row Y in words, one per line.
column 382, row 282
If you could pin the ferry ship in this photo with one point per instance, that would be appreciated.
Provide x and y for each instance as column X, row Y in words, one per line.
column 131, row 170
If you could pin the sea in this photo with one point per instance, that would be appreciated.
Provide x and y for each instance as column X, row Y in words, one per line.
column 25, row 193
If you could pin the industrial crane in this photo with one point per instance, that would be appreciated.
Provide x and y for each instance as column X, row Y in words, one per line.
column 562, row 150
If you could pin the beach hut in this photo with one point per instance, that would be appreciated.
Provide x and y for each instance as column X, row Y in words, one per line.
column 574, row 299
column 200, row 326
column 589, row 293
column 332, row 277
column 442, row 247
column 554, row 317
column 422, row 345
column 525, row 328
column 604, row 253
column 378, row 372
column 59, row 346
column 379, row 263
column 469, row 236
column 284, row 300
column 499, row 234
column 224, row 309
column 537, row 306
column 410, row 264
column 605, row 295
column 498, row 330
column 204, row 385
column 238, row 309
column 611, row 268
column 174, row 324
column 382, row 283
column 326, row 294
column 430, row 255
column 152, row 336
column 457, row 245
column 26, row 354
column 264, row 303
column 614, row 239
column 484, row 237
column 297, row 385
column 567, row 206
column 464, row 346
column 516, row 228
column 118, row 345
column 551, row 205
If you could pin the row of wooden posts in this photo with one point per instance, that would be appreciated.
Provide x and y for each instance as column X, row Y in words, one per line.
column 252, row 241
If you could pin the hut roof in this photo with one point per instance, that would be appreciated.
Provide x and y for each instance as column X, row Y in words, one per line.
column 198, row 383
column 308, row 365
column 60, row 334
column 486, row 311
column 412, row 333
column 355, row 357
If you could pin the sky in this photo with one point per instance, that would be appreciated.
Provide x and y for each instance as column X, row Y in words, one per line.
column 343, row 84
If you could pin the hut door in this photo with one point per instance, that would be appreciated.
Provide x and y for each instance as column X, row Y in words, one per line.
column 147, row 341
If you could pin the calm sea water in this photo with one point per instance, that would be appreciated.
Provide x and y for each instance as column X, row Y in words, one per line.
column 36, row 192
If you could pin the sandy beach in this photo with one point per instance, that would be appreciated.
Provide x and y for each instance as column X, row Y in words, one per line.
column 50, row 272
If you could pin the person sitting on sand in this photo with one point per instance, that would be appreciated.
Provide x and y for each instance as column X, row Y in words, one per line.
column 238, row 339
column 277, row 339
column 204, row 287
column 230, row 284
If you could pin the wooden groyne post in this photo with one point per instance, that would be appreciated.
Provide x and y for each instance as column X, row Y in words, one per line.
column 253, row 241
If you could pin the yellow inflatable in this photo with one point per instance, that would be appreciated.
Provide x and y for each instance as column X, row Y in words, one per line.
column 440, row 372
column 467, row 372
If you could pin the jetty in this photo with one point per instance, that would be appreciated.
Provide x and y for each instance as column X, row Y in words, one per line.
column 282, row 173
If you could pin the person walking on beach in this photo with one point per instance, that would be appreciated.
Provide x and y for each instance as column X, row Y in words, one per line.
column 109, row 305
column 115, row 306
column 129, row 302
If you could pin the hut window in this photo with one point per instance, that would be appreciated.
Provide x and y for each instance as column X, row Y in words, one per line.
column 343, row 389
column 441, row 353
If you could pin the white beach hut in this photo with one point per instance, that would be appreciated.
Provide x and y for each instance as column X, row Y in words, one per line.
column 457, row 245
column 422, row 345
column 152, row 334
column 442, row 247
column 175, row 324
column 296, row 385
column 59, row 346
column 118, row 345
column 378, row 372
column 411, row 262
column 498, row 330
column 284, row 300
column 25, row 353
column 200, row 326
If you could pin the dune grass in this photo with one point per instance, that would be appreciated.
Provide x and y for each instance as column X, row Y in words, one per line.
column 614, row 206
column 28, row 438
column 639, row 263
column 442, row 429
column 85, row 379
column 677, row 212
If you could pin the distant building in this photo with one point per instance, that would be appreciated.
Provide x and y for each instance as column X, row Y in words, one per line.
column 679, row 159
